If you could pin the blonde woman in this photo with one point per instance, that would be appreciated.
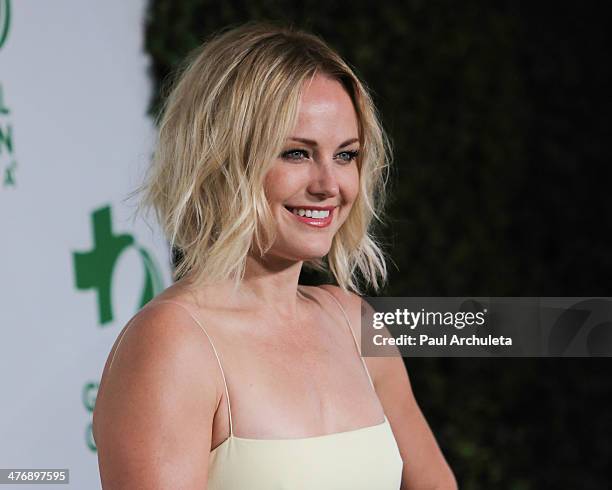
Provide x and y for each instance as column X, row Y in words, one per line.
column 270, row 158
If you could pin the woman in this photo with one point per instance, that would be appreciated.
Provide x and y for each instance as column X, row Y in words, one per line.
column 270, row 157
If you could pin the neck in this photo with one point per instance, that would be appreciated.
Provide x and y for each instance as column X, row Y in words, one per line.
column 270, row 283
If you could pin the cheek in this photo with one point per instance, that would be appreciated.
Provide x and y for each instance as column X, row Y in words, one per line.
column 276, row 184
column 283, row 181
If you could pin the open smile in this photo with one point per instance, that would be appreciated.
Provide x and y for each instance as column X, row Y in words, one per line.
column 318, row 217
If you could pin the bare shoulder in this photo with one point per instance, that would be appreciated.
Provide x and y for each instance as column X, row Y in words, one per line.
column 351, row 303
column 159, row 336
column 357, row 308
column 156, row 403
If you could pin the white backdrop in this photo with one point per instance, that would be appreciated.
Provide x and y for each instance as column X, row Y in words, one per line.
column 74, row 140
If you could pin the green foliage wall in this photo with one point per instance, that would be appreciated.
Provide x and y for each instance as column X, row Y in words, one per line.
column 497, row 113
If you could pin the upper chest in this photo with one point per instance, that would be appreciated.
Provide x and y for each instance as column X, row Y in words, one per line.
column 299, row 378
column 257, row 348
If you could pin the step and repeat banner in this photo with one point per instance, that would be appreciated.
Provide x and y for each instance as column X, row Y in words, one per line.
column 75, row 264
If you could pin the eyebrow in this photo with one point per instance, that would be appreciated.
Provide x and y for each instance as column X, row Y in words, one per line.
column 314, row 143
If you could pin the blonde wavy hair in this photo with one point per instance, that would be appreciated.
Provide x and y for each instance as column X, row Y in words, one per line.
column 225, row 121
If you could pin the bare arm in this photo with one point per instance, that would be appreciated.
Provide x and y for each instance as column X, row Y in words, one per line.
column 153, row 416
column 424, row 465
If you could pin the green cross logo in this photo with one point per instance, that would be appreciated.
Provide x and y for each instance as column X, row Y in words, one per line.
column 5, row 20
column 94, row 269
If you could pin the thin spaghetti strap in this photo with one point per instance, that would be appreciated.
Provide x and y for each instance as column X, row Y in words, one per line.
column 119, row 343
column 348, row 322
column 195, row 319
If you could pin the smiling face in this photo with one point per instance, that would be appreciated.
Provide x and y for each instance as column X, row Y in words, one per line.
column 315, row 180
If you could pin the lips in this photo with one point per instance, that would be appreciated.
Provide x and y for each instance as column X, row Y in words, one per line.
column 314, row 221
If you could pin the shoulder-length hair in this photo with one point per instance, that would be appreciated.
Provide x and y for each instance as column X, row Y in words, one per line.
column 223, row 124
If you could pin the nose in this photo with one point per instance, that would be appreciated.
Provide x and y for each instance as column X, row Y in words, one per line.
column 323, row 180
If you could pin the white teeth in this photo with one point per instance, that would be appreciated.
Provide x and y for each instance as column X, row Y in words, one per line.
column 311, row 213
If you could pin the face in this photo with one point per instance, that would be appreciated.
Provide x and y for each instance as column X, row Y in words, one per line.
column 315, row 180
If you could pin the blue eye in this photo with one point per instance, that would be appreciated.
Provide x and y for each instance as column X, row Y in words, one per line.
column 295, row 154
column 348, row 156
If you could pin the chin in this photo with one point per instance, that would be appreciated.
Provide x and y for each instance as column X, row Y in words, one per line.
column 300, row 252
column 312, row 250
